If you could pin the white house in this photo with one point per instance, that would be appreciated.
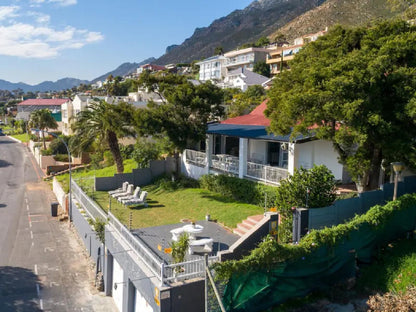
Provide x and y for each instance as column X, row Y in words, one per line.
column 212, row 68
column 242, row 146
column 245, row 58
column 242, row 78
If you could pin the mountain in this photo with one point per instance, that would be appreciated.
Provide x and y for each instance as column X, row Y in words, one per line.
column 347, row 13
column 124, row 69
column 61, row 84
column 291, row 18
column 259, row 19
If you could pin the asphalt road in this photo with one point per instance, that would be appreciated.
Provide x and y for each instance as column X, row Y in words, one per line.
column 43, row 266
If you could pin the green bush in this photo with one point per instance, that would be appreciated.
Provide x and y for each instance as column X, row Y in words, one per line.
column 108, row 159
column 313, row 188
column 61, row 157
column 240, row 189
column 144, row 152
column 167, row 183
column 46, row 152
column 96, row 159
column 127, row 151
column 57, row 146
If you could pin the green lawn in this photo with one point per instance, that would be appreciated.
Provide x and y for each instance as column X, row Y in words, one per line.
column 165, row 207
column 22, row 137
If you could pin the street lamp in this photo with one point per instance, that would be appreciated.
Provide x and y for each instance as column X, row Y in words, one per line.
column 69, row 168
column 398, row 167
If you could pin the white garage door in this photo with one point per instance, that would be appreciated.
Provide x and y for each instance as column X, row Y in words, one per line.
column 141, row 304
column 118, row 288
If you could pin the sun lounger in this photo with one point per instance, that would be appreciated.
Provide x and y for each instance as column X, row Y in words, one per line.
column 135, row 195
column 126, row 193
column 200, row 245
column 139, row 201
column 121, row 189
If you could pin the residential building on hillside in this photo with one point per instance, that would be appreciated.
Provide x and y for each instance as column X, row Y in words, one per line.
column 243, row 147
column 245, row 58
column 25, row 108
column 278, row 59
column 242, row 78
column 212, row 68
column 151, row 68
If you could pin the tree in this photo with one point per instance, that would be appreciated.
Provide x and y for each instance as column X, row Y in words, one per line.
column 262, row 68
column 355, row 87
column 105, row 123
column 42, row 120
column 313, row 188
column 219, row 50
column 244, row 102
column 184, row 110
column 263, row 41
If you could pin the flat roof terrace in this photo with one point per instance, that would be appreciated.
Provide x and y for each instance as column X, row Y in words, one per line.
column 158, row 238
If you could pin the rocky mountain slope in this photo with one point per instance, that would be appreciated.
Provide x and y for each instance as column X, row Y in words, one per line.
column 259, row 19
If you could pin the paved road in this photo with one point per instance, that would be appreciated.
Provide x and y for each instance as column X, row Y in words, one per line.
column 43, row 265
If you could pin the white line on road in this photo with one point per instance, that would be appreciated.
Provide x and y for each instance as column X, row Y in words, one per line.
column 40, row 300
column 31, row 234
column 36, row 269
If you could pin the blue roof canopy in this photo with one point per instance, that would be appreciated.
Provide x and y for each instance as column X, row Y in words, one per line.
column 252, row 132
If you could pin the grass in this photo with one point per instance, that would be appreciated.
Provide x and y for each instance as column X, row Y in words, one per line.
column 394, row 271
column 22, row 137
column 165, row 206
column 168, row 207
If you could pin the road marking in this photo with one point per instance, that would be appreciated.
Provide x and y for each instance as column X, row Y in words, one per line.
column 36, row 269
column 48, row 249
column 31, row 234
column 33, row 244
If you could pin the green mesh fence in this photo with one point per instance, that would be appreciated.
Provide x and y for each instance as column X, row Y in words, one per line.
column 261, row 289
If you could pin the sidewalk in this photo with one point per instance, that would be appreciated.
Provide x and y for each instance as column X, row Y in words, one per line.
column 66, row 274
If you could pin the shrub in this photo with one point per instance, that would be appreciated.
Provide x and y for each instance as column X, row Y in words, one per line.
column 108, row 159
column 57, row 146
column 61, row 157
column 46, row 152
column 313, row 188
column 96, row 159
column 168, row 184
column 127, row 151
column 144, row 152
column 241, row 190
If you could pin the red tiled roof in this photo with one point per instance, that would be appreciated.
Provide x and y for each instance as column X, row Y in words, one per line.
column 44, row 102
column 255, row 118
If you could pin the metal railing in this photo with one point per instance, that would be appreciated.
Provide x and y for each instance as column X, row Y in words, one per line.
column 92, row 208
column 196, row 157
column 225, row 163
column 186, row 270
column 143, row 252
column 266, row 173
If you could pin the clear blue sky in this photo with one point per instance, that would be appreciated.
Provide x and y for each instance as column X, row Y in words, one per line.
column 52, row 39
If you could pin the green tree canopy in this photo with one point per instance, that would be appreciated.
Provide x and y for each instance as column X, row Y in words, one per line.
column 243, row 103
column 262, row 68
column 184, row 110
column 105, row 123
column 356, row 87
column 43, row 120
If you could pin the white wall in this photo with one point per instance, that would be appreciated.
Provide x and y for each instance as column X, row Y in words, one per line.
column 141, row 305
column 117, row 279
column 318, row 152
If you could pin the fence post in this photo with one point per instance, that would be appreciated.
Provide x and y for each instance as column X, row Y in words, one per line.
column 300, row 223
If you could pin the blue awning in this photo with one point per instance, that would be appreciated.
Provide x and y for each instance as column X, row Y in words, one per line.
column 252, row 132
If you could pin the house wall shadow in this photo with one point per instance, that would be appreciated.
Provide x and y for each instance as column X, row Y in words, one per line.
column 18, row 290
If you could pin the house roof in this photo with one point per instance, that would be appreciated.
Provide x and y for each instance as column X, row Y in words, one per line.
column 252, row 126
column 249, row 77
column 255, row 118
column 44, row 102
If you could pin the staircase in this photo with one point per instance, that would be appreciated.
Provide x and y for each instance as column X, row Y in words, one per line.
column 247, row 225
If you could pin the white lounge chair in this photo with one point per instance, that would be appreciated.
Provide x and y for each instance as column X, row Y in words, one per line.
column 200, row 245
column 139, row 201
column 126, row 193
column 136, row 194
column 121, row 189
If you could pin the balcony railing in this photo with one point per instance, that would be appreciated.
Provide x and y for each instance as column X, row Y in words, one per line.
column 195, row 157
column 225, row 163
column 266, row 173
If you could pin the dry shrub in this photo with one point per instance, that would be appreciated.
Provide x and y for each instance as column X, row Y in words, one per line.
column 393, row 302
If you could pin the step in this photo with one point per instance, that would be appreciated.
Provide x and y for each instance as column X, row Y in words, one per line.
column 244, row 227
column 249, row 222
column 239, row 232
column 256, row 218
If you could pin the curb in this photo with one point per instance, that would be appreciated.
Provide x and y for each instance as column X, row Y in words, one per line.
column 14, row 139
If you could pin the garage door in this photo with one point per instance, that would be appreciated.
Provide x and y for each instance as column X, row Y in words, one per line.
column 118, row 285
column 141, row 305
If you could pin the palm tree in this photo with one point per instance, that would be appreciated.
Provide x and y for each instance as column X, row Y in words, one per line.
column 43, row 120
column 104, row 122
